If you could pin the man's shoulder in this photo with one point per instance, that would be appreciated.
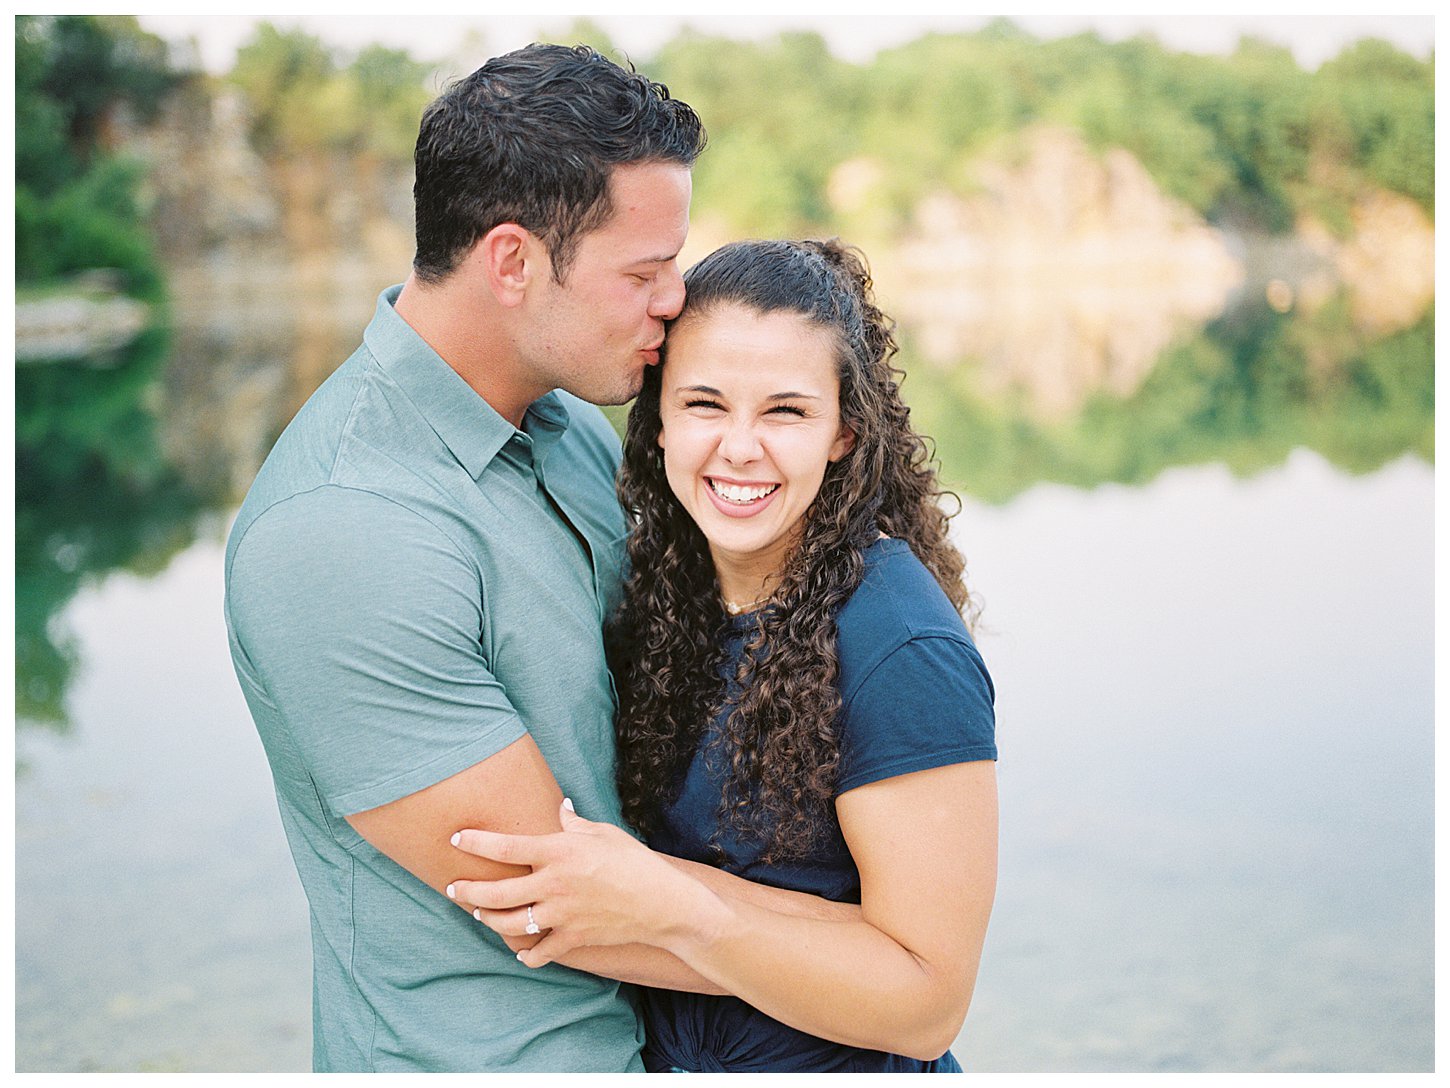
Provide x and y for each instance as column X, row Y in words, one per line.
column 330, row 456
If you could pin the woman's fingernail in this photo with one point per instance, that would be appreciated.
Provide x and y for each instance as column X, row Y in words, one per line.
column 449, row 892
column 457, row 835
column 478, row 914
column 569, row 804
column 520, row 957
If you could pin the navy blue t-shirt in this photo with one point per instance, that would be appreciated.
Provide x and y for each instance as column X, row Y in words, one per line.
column 914, row 695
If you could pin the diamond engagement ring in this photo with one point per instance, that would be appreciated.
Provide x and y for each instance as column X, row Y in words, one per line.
column 533, row 926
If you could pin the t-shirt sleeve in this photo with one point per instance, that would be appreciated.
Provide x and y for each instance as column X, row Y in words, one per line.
column 927, row 704
column 357, row 622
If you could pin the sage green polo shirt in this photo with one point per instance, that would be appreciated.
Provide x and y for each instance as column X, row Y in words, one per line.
column 413, row 584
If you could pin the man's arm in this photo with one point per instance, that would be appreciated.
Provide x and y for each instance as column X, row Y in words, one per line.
column 652, row 966
column 512, row 789
column 780, row 900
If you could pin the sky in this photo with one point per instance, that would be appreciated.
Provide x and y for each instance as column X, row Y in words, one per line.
column 855, row 34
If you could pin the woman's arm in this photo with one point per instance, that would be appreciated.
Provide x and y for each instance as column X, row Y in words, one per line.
column 899, row 979
column 648, row 965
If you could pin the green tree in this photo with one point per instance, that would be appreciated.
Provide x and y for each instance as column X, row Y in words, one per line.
column 75, row 198
column 90, row 64
column 91, row 482
column 779, row 116
column 1383, row 100
column 389, row 93
column 291, row 81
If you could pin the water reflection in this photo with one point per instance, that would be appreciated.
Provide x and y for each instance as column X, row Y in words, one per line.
column 1215, row 707
column 115, row 463
column 1247, row 389
column 1285, row 819
column 94, row 493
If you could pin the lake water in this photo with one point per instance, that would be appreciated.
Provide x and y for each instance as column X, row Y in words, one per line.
column 1215, row 717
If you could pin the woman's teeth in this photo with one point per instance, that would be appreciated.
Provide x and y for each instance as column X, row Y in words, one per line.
column 742, row 495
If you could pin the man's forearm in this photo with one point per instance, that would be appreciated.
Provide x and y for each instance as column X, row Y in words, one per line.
column 643, row 964
column 780, row 900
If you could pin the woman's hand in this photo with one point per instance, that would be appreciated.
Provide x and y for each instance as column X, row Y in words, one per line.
column 591, row 884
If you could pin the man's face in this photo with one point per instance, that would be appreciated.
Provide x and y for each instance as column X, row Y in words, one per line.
column 594, row 334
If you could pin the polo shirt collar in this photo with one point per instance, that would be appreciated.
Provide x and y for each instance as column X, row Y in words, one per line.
column 545, row 420
column 468, row 425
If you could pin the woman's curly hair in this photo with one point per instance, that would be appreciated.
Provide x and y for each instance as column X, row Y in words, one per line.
column 668, row 641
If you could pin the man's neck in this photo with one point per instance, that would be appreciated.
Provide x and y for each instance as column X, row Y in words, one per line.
column 450, row 321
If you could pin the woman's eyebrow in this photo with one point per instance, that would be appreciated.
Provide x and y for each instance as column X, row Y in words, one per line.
column 710, row 390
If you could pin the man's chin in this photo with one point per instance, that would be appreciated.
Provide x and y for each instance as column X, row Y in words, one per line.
column 617, row 395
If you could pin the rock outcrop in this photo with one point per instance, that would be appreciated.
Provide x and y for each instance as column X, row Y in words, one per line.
column 1066, row 272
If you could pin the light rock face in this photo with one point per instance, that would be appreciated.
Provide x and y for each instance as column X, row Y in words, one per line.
column 206, row 188
column 76, row 327
column 1385, row 267
column 271, row 240
column 1388, row 263
column 1067, row 272
column 273, row 267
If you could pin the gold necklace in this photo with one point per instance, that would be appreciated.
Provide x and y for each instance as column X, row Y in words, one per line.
column 749, row 606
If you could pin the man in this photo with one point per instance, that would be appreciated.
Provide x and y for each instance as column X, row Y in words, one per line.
column 417, row 581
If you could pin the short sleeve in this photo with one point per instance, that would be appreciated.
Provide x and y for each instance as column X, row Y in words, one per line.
column 358, row 622
column 927, row 704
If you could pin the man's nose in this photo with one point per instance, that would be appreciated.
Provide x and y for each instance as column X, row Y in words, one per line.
column 669, row 294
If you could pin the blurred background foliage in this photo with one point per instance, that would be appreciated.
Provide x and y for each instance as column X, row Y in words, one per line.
column 1251, row 134
column 1244, row 392
column 93, row 490
column 75, row 196
column 305, row 99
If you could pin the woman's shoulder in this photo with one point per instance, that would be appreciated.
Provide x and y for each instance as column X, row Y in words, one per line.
column 915, row 691
column 897, row 602
column 898, row 598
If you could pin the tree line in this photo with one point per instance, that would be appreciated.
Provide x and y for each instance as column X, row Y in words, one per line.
column 1251, row 137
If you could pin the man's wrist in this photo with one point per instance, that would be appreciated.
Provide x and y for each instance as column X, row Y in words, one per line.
column 702, row 919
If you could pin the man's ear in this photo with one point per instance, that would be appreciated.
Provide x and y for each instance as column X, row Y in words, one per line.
column 509, row 258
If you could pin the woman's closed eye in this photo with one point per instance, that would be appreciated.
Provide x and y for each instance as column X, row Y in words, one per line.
column 708, row 404
column 790, row 409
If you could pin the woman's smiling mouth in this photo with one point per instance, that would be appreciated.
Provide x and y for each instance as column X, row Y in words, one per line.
column 739, row 500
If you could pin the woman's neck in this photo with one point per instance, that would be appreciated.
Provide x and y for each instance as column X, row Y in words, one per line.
column 745, row 584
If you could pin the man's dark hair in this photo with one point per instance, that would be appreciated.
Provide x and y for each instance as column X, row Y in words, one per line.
column 531, row 138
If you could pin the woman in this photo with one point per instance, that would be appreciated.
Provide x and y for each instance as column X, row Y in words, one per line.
column 800, row 701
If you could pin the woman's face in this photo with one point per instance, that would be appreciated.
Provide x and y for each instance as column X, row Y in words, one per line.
column 750, row 417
